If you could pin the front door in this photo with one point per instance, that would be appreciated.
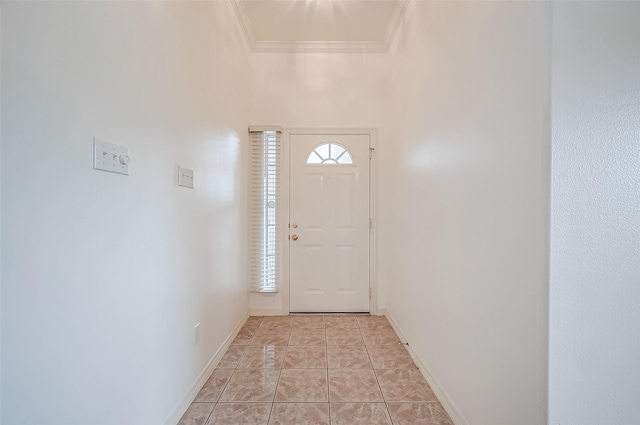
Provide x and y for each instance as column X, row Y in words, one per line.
column 329, row 223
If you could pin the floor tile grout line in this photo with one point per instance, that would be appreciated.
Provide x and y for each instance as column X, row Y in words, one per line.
column 326, row 355
column 275, row 390
column 246, row 348
column 376, row 376
column 389, row 413
column 379, row 386
column 270, row 412
column 208, row 416
column 225, row 385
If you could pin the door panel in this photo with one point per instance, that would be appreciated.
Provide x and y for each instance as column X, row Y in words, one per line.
column 313, row 197
column 345, row 198
column 329, row 213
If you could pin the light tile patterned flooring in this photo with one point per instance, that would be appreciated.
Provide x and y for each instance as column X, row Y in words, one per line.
column 316, row 370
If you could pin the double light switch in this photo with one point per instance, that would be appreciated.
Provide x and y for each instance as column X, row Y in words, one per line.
column 185, row 177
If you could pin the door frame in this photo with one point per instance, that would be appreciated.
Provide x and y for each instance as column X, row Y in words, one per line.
column 373, row 207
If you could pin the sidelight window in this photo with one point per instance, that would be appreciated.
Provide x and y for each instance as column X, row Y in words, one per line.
column 265, row 205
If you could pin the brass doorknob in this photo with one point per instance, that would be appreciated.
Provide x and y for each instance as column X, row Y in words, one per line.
column 294, row 237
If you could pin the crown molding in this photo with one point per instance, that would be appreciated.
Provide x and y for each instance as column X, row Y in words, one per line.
column 395, row 22
column 319, row 46
column 245, row 22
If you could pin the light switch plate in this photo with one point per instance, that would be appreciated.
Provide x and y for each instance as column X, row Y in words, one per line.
column 110, row 157
column 185, row 177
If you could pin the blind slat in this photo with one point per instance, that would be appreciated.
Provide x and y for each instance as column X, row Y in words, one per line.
column 264, row 217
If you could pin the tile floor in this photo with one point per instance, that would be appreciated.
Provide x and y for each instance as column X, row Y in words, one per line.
column 316, row 370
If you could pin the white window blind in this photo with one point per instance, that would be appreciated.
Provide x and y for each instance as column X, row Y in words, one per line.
column 265, row 205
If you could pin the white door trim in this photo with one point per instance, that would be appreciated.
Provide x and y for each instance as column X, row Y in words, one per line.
column 373, row 208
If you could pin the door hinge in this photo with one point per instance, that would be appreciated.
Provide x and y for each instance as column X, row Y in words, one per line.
column 370, row 223
column 369, row 293
column 371, row 152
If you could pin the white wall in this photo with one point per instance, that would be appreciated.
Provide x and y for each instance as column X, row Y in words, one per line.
column 464, row 204
column 316, row 90
column 594, row 373
column 103, row 275
column 0, row 215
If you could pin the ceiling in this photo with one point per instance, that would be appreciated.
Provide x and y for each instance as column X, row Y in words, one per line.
column 320, row 25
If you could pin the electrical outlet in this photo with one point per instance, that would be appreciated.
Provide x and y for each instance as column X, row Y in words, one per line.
column 196, row 334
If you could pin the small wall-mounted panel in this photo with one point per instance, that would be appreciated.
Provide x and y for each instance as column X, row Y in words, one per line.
column 110, row 157
column 185, row 177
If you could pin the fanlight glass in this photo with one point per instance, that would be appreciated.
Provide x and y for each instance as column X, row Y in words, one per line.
column 330, row 154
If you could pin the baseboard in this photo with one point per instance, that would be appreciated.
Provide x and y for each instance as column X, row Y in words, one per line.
column 177, row 413
column 265, row 312
column 438, row 390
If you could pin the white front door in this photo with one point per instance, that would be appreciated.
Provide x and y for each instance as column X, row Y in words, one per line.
column 329, row 223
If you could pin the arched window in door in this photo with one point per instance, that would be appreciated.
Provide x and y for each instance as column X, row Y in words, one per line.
column 329, row 154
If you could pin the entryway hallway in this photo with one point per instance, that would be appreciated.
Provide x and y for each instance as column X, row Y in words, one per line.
column 320, row 370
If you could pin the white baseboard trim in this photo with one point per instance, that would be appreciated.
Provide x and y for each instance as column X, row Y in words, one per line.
column 179, row 410
column 266, row 312
column 442, row 395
